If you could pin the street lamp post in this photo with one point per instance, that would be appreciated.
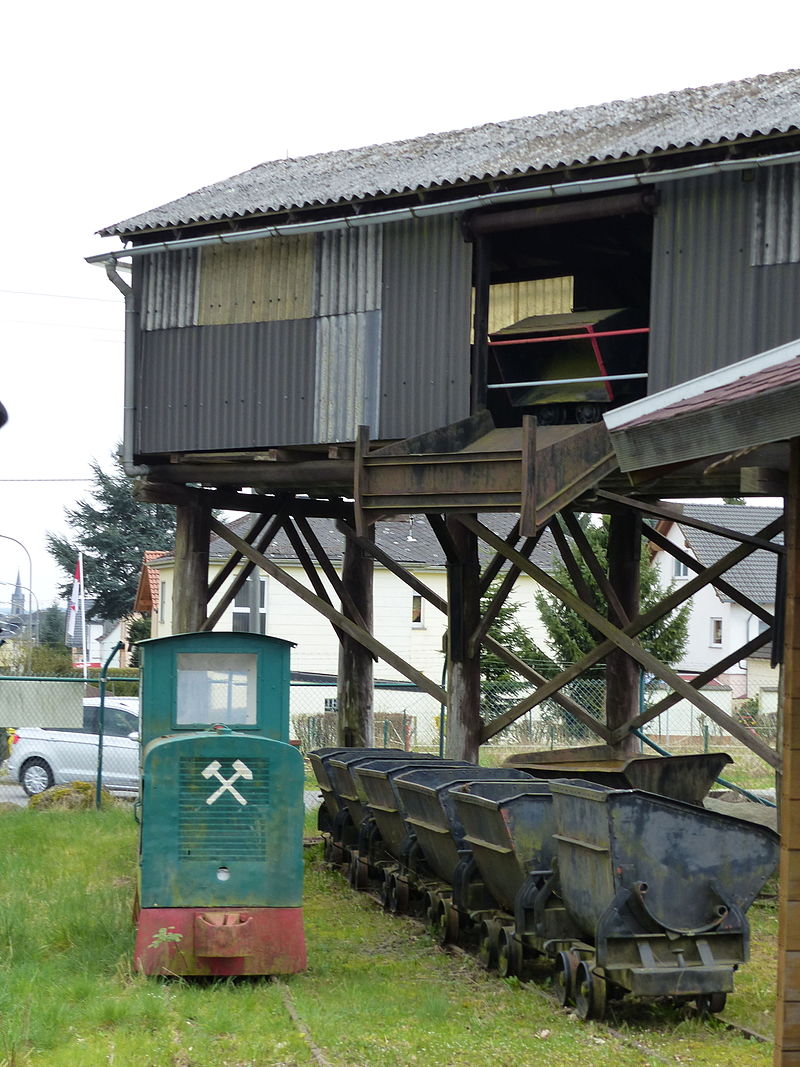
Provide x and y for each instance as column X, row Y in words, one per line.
column 30, row 579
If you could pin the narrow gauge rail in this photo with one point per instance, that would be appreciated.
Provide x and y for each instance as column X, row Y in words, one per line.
column 621, row 890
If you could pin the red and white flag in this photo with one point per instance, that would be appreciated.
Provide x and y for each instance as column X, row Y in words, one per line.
column 74, row 600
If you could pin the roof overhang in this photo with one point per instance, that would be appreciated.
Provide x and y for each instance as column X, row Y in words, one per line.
column 732, row 412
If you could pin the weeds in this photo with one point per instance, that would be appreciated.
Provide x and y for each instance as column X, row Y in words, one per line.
column 377, row 990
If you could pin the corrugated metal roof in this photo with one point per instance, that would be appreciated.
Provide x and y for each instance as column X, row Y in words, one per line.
column 754, row 576
column 622, row 128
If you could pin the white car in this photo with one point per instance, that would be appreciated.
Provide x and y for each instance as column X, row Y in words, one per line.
column 41, row 757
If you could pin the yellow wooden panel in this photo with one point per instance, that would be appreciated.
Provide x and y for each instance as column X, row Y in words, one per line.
column 511, row 302
column 270, row 280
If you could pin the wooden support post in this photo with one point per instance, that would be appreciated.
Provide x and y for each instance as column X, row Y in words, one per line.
column 463, row 670
column 190, row 591
column 623, row 673
column 787, row 1036
column 354, row 693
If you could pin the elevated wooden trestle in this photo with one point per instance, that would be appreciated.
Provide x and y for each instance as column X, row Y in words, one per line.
column 452, row 476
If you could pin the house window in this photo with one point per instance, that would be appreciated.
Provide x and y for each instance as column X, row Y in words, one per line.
column 330, row 705
column 249, row 614
column 679, row 569
column 417, row 619
column 716, row 632
column 162, row 602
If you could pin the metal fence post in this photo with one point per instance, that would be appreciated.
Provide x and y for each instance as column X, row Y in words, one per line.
column 101, row 722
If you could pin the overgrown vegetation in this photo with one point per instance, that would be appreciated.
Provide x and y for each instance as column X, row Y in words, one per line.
column 377, row 991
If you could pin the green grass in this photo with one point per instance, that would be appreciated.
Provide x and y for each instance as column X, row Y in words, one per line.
column 377, row 990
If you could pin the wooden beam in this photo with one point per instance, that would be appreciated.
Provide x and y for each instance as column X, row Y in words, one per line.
column 763, row 481
column 333, row 475
column 499, row 598
column 266, row 539
column 623, row 676
column 331, row 573
column 235, row 558
column 497, row 561
column 411, row 580
column 228, row 500
column 190, row 586
column 724, row 587
column 567, row 703
column 330, row 613
column 673, row 600
column 355, row 689
column 527, row 516
column 787, row 1035
column 463, row 669
column 443, row 536
column 573, row 568
column 666, row 511
column 362, row 448
column 619, row 638
column 696, row 683
column 595, row 566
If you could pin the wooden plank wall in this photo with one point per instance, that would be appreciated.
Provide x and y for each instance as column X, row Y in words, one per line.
column 787, row 1038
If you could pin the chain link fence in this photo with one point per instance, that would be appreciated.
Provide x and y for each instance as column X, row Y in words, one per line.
column 49, row 729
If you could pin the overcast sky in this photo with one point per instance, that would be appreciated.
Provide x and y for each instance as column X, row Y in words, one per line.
column 113, row 109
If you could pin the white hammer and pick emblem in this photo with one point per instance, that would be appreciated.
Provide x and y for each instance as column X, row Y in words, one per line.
column 212, row 771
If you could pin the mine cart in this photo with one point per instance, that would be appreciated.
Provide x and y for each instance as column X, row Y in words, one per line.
column 687, row 778
column 659, row 890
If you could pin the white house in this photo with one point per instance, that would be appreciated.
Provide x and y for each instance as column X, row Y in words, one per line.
column 403, row 620
column 718, row 625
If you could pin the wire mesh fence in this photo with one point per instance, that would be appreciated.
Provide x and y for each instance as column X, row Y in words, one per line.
column 50, row 730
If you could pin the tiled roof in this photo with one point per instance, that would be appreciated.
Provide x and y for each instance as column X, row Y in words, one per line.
column 754, row 576
column 617, row 130
column 148, row 591
column 410, row 542
column 749, row 385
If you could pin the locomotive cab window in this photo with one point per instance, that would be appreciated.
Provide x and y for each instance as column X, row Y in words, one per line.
column 216, row 688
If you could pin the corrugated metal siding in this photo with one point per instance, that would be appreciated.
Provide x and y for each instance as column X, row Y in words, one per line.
column 709, row 306
column 512, row 301
column 425, row 363
column 348, row 375
column 270, row 280
column 776, row 226
column 169, row 290
column 349, row 271
column 226, row 387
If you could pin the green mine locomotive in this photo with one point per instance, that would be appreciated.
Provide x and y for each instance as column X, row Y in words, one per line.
column 221, row 837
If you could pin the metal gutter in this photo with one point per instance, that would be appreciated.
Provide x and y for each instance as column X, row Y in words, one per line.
column 131, row 335
column 553, row 191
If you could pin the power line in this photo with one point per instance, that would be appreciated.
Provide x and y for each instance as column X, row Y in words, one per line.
column 59, row 296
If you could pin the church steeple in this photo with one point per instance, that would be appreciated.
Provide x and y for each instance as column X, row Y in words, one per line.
column 18, row 599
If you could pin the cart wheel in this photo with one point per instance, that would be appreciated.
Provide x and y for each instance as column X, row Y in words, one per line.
column 361, row 874
column 564, row 977
column 509, row 954
column 590, row 993
column 488, row 943
column 354, row 875
column 400, row 897
column 430, row 908
column 446, row 923
column 386, row 890
column 711, row 1003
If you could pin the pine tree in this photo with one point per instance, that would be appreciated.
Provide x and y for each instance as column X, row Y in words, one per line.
column 113, row 530
column 571, row 637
